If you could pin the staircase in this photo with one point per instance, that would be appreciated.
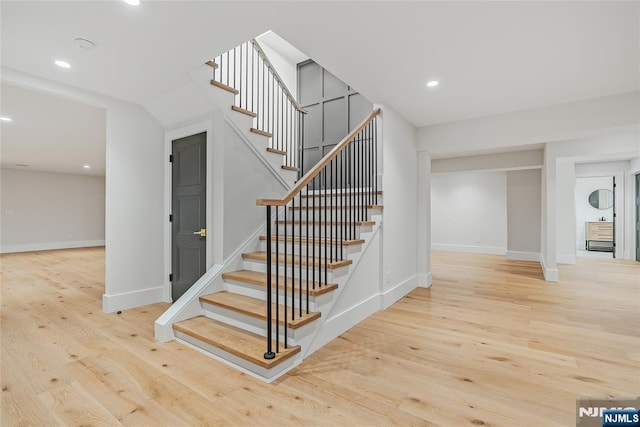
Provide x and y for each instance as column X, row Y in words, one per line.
column 268, row 310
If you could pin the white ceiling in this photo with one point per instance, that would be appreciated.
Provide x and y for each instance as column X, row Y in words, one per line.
column 490, row 57
column 50, row 133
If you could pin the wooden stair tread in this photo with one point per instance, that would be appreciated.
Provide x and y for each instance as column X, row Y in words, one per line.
column 357, row 223
column 319, row 262
column 290, row 168
column 240, row 343
column 261, row 132
column 225, row 87
column 317, row 240
column 211, row 64
column 243, row 111
column 276, row 151
column 379, row 207
column 260, row 279
column 345, row 193
column 257, row 308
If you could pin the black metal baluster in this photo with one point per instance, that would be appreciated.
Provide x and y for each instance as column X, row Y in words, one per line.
column 300, row 255
column 375, row 157
column 269, row 354
column 325, row 223
column 293, row 262
column 342, row 212
column 307, row 252
column 285, row 273
column 313, row 246
column 277, row 240
column 329, row 214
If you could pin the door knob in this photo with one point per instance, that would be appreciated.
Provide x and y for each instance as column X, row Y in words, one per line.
column 201, row 233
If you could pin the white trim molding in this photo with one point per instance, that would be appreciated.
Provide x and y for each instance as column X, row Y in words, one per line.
column 425, row 280
column 32, row 247
column 491, row 250
column 523, row 256
column 125, row 300
column 550, row 274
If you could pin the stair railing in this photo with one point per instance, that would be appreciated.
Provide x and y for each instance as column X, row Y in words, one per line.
column 320, row 215
column 261, row 91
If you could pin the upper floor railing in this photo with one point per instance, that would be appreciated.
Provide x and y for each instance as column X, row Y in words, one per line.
column 261, row 92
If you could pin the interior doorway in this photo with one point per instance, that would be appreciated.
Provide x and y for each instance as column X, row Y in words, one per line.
column 189, row 209
column 596, row 216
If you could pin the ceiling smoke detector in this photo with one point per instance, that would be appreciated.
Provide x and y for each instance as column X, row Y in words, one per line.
column 84, row 43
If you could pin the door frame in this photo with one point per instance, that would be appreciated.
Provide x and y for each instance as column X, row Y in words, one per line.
column 214, row 180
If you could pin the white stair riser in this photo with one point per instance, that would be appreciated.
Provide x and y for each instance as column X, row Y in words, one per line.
column 318, row 231
column 319, row 249
column 259, row 292
column 267, row 374
column 289, row 176
column 332, row 275
column 274, row 159
column 339, row 200
column 256, row 326
column 332, row 215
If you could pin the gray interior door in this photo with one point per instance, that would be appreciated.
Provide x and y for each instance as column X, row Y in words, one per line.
column 334, row 109
column 188, row 198
column 638, row 217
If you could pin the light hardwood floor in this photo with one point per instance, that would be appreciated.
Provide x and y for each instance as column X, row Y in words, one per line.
column 489, row 344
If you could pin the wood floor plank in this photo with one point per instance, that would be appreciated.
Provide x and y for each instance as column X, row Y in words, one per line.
column 490, row 343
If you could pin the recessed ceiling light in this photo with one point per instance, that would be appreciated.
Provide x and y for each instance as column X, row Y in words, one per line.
column 6, row 119
column 84, row 43
column 132, row 2
column 86, row 166
column 433, row 83
column 62, row 64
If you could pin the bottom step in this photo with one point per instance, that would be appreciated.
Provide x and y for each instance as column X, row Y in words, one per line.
column 240, row 343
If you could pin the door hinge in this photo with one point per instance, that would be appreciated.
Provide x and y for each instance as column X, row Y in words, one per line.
column 170, row 217
column 170, row 158
column 171, row 277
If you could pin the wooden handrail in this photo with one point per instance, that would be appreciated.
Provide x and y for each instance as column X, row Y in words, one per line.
column 317, row 168
column 285, row 89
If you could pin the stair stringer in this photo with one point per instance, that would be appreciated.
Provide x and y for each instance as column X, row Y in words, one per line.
column 351, row 302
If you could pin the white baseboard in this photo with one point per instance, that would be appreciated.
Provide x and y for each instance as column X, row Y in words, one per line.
column 550, row 274
column 523, row 256
column 566, row 258
column 392, row 295
column 123, row 301
column 425, row 280
column 31, row 247
column 492, row 250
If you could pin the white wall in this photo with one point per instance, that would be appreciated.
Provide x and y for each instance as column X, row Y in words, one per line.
column 424, row 219
column 565, row 212
column 286, row 67
column 523, row 214
column 135, row 213
column 45, row 210
column 400, row 178
column 469, row 212
column 246, row 179
column 582, row 119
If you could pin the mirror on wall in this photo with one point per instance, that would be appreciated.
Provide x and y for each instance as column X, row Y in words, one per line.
column 601, row 199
